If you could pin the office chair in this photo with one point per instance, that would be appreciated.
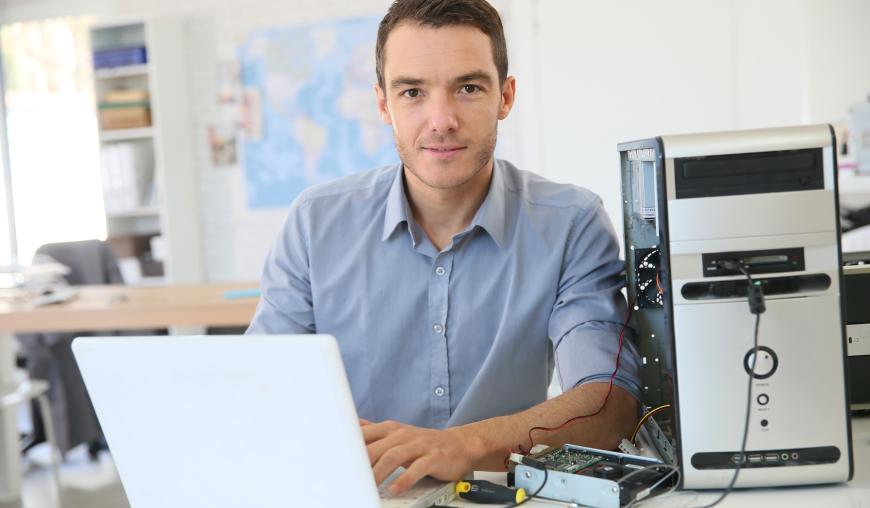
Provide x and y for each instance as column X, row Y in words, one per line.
column 49, row 355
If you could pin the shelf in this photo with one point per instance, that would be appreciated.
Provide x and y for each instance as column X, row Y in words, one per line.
column 853, row 182
column 144, row 211
column 126, row 134
column 152, row 150
column 854, row 189
column 133, row 225
column 121, row 72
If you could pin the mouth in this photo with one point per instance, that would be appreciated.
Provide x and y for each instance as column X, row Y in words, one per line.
column 443, row 151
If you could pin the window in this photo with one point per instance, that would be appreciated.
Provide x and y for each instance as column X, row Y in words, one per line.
column 6, row 248
column 51, row 125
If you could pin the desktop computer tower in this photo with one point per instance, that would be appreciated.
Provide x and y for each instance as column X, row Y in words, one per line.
column 698, row 208
column 856, row 281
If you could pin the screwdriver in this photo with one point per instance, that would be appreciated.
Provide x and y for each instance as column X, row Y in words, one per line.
column 482, row 491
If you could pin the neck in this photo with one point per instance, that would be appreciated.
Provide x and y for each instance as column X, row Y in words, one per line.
column 442, row 213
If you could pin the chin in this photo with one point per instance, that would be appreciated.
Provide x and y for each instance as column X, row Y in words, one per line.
column 444, row 174
column 441, row 182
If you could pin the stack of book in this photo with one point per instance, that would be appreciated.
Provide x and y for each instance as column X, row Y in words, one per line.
column 120, row 57
column 125, row 109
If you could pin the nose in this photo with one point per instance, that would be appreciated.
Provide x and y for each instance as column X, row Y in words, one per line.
column 442, row 114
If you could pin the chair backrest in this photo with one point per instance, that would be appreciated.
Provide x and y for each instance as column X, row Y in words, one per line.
column 89, row 261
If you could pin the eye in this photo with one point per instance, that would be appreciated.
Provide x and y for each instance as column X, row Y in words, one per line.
column 469, row 89
column 412, row 93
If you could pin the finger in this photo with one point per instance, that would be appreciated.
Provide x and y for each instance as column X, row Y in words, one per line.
column 363, row 422
column 392, row 459
column 377, row 448
column 415, row 472
column 376, row 431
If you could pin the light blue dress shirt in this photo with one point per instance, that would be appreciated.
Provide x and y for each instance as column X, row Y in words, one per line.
column 438, row 339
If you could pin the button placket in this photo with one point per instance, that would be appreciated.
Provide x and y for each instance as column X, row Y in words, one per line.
column 439, row 286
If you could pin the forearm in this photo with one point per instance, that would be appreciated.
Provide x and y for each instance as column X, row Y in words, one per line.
column 492, row 438
column 449, row 454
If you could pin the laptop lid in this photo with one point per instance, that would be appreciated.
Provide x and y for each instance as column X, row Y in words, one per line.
column 228, row 420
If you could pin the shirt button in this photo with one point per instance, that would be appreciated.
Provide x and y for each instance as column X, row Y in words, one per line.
column 438, row 328
column 440, row 271
column 439, row 391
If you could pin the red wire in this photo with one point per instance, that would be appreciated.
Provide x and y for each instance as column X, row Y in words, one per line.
column 606, row 396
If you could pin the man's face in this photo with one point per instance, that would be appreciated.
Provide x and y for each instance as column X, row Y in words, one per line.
column 441, row 95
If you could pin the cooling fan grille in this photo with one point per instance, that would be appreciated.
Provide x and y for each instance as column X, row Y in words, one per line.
column 649, row 286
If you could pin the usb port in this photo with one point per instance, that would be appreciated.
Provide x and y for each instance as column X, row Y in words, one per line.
column 755, row 458
column 771, row 457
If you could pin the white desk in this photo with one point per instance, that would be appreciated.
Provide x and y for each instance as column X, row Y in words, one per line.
column 854, row 494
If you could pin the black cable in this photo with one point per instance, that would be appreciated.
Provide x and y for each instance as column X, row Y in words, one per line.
column 745, row 423
column 756, row 306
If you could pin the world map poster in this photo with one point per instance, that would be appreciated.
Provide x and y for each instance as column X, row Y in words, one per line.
column 313, row 88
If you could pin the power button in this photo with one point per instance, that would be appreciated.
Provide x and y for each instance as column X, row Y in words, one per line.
column 763, row 399
column 767, row 362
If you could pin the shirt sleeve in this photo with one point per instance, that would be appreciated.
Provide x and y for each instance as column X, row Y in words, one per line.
column 590, row 310
column 285, row 287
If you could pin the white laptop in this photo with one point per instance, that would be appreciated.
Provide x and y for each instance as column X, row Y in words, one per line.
column 229, row 421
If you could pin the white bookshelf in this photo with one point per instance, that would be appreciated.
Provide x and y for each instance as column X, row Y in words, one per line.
column 142, row 211
column 124, row 71
column 149, row 178
column 110, row 135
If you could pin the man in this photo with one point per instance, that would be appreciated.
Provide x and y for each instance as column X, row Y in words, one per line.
column 453, row 281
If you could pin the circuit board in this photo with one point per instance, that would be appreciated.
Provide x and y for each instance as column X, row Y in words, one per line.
column 592, row 477
column 566, row 460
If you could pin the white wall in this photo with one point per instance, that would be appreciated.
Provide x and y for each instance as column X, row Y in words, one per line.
column 617, row 71
column 590, row 74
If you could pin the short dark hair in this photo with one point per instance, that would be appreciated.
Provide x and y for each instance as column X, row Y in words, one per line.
column 437, row 13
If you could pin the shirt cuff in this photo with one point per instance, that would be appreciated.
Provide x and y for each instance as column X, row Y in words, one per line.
column 587, row 354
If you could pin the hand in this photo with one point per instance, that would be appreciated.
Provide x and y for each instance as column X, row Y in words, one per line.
column 443, row 454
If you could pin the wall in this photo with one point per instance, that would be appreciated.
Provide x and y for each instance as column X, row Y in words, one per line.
column 590, row 74
column 633, row 69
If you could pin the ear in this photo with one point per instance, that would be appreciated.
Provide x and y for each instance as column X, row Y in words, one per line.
column 508, row 95
column 382, row 105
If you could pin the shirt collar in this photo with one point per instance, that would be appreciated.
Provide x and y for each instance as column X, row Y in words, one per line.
column 398, row 210
column 491, row 216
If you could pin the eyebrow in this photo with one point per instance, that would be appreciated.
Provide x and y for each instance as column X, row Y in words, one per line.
column 474, row 76
column 403, row 81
